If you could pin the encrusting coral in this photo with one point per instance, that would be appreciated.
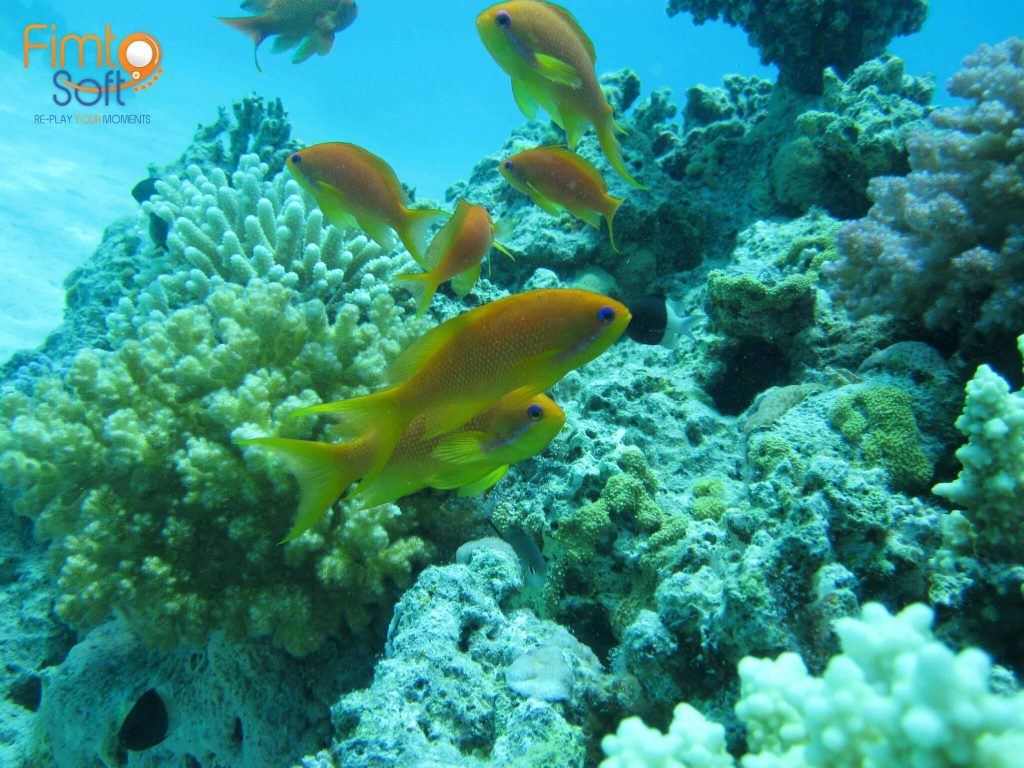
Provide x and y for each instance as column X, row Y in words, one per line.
column 126, row 459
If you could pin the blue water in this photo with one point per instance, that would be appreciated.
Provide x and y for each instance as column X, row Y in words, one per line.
column 409, row 80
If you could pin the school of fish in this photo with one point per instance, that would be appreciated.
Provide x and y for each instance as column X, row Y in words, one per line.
column 466, row 400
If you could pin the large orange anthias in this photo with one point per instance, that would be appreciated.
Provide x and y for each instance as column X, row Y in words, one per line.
column 471, row 458
column 551, row 62
column 462, row 367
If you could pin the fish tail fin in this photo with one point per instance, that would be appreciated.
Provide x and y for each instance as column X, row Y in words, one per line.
column 613, row 151
column 414, row 227
column 422, row 286
column 251, row 27
column 323, row 470
column 376, row 421
column 609, row 214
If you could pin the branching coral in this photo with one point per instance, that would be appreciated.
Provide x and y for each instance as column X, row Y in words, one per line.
column 991, row 483
column 126, row 460
column 896, row 696
column 943, row 248
column 803, row 38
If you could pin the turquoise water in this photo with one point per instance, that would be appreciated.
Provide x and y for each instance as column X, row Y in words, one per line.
column 759, row 454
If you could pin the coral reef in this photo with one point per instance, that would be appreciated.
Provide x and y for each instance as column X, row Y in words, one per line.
column 466, row 682
column 895, row 696
column 805, row 38
column 125, row 461
column 942, row 248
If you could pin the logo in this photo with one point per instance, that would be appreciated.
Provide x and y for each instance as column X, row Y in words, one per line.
column 138, row 55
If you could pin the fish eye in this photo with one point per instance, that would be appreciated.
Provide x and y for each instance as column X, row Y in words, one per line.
column 296, row 158
column 502, row 18
column 534, row 412
column 508, row 165
column 606, row 314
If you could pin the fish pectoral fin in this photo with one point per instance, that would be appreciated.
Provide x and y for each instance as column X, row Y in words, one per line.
column 558, row 71
column 378, row 231
column 485, row 482
column 462, row 447
column 463, row 282
column 283, row 43
column 574, row 127
column 333, row 211
column 503, row 249
column 319, row 42
column 524, row 99
column 545, row 203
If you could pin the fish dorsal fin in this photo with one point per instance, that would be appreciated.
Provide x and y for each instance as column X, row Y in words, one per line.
column 256, row 6
column 386, row 173
column 558, row 71
column 569, row 19
column 442, row 242
column 420, row 351
column 485, row 482
column 581, row 165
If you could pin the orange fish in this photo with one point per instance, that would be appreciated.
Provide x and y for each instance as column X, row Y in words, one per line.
column 463, row 366
column 551, row 62
column 556, row 178
column 471, row 458
column 311, row 22
column 455, row 254
column 355, row 188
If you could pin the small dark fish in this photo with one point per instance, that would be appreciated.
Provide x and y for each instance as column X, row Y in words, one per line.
column 144, row 190
column 658, row 320
column 158, row 228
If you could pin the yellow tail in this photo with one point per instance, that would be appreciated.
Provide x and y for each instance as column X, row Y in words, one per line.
column 610, row 146
column 422, row 287
column 324, row 471
column 609, row 214
column 372, row 419
column 413, row 231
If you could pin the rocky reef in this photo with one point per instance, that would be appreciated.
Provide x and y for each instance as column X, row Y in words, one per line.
column 738, row 523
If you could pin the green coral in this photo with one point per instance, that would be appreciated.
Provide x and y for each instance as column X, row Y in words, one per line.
column 879, row 420
column 709, row 499
column 745, row 306
column 126, row 460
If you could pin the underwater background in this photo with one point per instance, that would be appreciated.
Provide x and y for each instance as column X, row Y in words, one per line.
column 781, row 527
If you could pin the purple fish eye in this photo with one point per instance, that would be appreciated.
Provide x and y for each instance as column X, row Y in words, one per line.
column 508, row 165
column 534, row 412
column 296, row 158
column 606, row 314
column 502, row 18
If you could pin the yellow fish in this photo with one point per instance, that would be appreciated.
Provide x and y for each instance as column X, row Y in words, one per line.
column 556, row 178
column 471, row 458
column 455, row 254
column 355, row 188
column 311, row 22
column 551, row 62
column 463, row 366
